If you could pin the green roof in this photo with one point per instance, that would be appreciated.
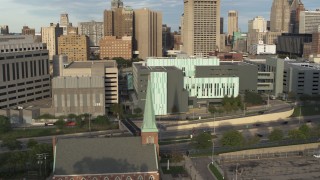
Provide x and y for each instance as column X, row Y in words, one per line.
column 149, row 122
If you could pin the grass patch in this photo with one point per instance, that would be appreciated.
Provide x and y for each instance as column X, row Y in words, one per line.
column 215, row 171
column 174, row 142
column 38, row 132
column 307, row 110
column 173, row 170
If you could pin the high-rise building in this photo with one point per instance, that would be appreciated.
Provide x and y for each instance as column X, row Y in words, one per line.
column 50, row 36
column 280, row 16
column 232, row 22
column 148, row 33
column 167, row 38
column 111, row 47
column 309, row 22
column 28, row 31
column 221, row 25
column 76, row 47
column 201, row 27
column 4, row 29
column 296, row 8
column 93, row 29
column 315, row 46
column 258, row 23
column 119, row 20
column 24, row 68
column 66, row 25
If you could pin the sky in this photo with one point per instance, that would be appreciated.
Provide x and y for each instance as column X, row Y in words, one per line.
column 39, row 13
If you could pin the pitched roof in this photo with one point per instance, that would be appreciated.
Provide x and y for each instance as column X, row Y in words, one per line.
column 103, row 156
column 149, row 122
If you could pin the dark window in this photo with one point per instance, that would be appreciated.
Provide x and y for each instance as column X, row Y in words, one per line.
column 11, row 92
column 8, row 72
column 19, row 56
column 42, row 65
column 11, row 85
column 39, row 80
column 1, row 58
column 29, row 82
column 39, row 65
column 22, row 69
column 27, row 70
column 18, row 73
column 35, row 68
column 3, row 87
column 28, row 55
column 45, row 79
column 2, row 94
column 31, row 68
column 13, row 71
column 21, row 84
column 12, row 98
column 21, row 90
column 21, row 96
column 10, row 57
column 4, row 73
column 29, row 88
column 47, row 63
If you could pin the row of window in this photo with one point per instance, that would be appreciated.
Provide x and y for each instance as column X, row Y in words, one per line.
column 24, row 49
column 117, row 178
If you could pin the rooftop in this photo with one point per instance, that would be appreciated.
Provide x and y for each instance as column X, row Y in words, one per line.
column 104, row 156
column 88, row 64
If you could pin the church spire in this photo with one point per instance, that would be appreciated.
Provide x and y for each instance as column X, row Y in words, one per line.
column 149, row 122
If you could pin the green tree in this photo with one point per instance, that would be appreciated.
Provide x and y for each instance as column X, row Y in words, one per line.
column 137, row 110
column 232, row 138
column 11, row 143
column 31, row 143
column 296, row 134
column 212, row 109
column 305, row 130
column 60, row 124
column 117, row 110
column 252, row 98
column 72, row 117
column 5, row 125
column 202, row 141
column 276, row 135
column 101, row 120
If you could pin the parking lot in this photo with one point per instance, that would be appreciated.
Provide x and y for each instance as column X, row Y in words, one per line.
column 298, row 168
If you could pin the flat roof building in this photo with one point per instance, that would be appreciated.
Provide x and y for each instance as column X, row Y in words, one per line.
column 76, row 47
column 111, row 47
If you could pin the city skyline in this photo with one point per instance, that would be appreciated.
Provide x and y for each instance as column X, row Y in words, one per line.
column 81, row 11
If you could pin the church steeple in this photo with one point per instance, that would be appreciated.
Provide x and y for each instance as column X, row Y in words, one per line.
column 149, row 130
column 149, row 122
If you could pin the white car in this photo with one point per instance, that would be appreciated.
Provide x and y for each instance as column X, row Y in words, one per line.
column 317, row 155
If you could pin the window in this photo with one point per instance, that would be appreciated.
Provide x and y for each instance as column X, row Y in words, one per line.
column 117, row 178
column 140, row 178
column 151, row 178
column 150, row 140
column 129, row 178
column 106, row 178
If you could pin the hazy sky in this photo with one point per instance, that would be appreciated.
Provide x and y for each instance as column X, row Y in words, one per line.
column 37, row 13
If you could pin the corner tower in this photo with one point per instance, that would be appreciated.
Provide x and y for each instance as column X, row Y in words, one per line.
column 149, row 130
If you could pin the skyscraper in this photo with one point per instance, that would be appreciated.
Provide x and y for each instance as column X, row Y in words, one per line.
column 201, row 27
column 296, row 8
column 4, row 29
column 119, row 20
column 76, row 47
column 148, row 33
column 221, row 25
column 280, row 16
column 257, row 23
column 232, row 22
column 50, row 36
column 93, row 29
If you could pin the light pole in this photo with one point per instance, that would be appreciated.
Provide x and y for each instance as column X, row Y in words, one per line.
column 212, row 152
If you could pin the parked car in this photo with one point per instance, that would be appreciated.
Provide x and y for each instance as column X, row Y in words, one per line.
column 71, row 123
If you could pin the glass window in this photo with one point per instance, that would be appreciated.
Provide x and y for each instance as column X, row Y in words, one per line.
column 151, row 178
column 140, row 178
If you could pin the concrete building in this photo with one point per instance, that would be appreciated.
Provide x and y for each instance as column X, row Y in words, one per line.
column 4, row 29
column 76, row 47
column 200, row 90
column 118, row 21
column 111, row 47
column 315, row 45
column 28, row 31
column 177, row 43
column 201, row 27
column 148, row 33
column 167, row 39
column 296, row 8
column 106, row 69
column 232, row 22
column 24, row 73
column 239, row 42
column 262, row 48
column 257, row 23
column 59, row 62
column 50, row 36
column 309, row 22
column 280, row 16
column 93, row 29
column 292, row 44
column 221, row 25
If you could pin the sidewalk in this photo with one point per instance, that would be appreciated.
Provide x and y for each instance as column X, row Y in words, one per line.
column 194, row 174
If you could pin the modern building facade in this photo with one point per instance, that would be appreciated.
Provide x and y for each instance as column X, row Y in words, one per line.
column 93, row 29
column 76, row 47
column 309, row 22
column 198, row 89
column 293, row 44
column 280, row 16
column 201, row 27
column 111, row 47
column 50, row 36
column 232, row 22
column 24, row 76
column 148, row 33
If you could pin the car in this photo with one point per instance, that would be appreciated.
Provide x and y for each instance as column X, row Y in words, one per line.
column 284, row 123
column 257, row 125
column 261, row 112
column 309, row 121
column 71, row 123
column 259, row 135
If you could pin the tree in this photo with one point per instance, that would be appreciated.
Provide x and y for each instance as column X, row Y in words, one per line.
column 252, row 98
column 296, row 134
column 202, row 141
column 305, row 130
column 137, row 110
column 212, row 109
column 276, row 135
column 291, row 96
column 72, row 117
column 11, row 143
column 101, row 120
column 31, row 143
column 232, row 138
column 60, row 123
column 117, row 110
column 5, row 124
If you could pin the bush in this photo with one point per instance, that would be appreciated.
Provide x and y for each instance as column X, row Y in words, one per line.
column 276, row 135
column 252, row 98
column 202, row 141
column 31, row 143
column 137, row 110
column 5, row 125
column 11, row 143
column 232, row 138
